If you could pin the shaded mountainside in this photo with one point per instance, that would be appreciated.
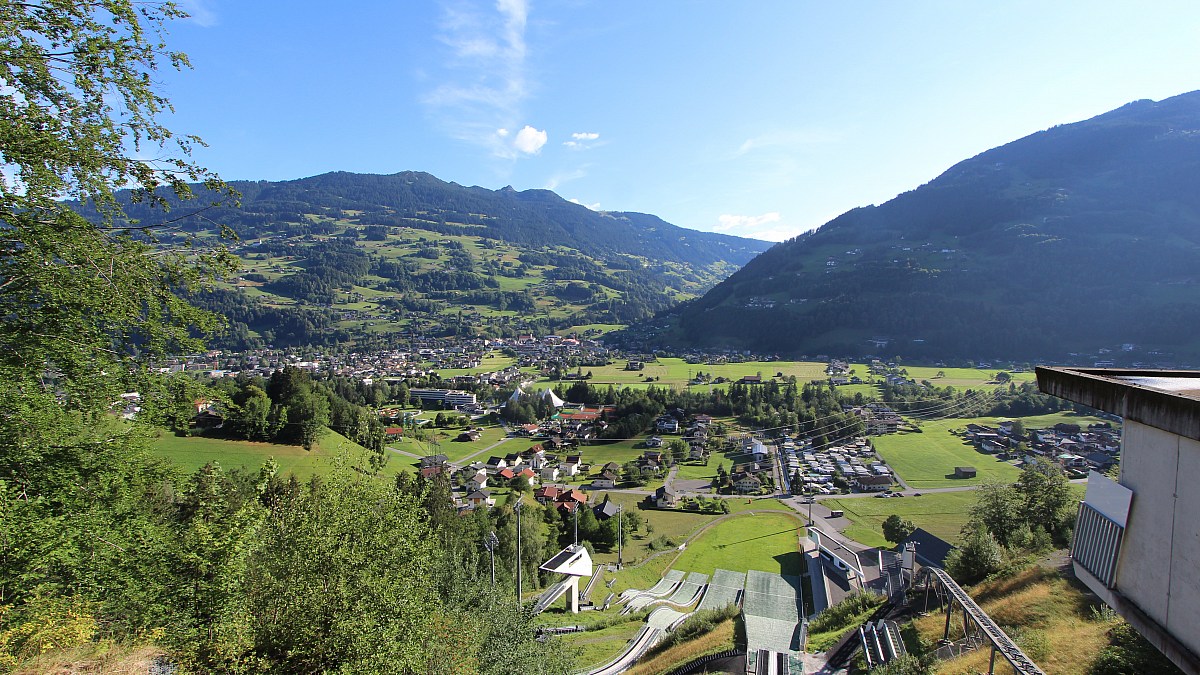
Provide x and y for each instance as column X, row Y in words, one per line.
column 1075, row 239
column 359, row 259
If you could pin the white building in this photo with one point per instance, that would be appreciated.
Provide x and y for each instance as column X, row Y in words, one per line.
column 1137, row 539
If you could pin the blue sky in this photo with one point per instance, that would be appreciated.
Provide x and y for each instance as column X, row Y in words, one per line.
column 754, row 118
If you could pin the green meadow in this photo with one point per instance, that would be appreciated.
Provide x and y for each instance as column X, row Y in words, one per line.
column 754, row 541
column 940, row 513
column 192, row 452
column 926, row 460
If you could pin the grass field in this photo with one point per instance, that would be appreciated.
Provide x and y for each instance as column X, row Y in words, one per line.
column 490, row 363
column 963, row 377
column 442, row 441
column 191, row 453
column 940, row 513
column 597, row 647
column 927, row 460
column 676, row 525
column 761, row 541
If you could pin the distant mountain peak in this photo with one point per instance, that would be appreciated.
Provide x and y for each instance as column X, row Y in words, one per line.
column 1080, row 238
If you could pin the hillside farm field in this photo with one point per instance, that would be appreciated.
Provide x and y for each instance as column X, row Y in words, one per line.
column 192, row 452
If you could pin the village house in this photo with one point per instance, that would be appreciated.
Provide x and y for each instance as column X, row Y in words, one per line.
column 478, row 498
column 746, row 483
column 547, row 494
column 434, row 460
column 476, row 482
column 607, row 480
column 570, row 467
column 872, row 483
column 665, row 497
column 431, row 471
column 605, row 509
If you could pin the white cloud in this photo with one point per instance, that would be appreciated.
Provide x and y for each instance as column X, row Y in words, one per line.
column 529, row 140
column 582, row 140
column 594, row 207
column 484, row 82
column 730, row 222
column 199, row 12
column 768, row 226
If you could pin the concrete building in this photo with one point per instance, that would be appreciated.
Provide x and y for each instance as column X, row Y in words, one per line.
column 1137, row 539
column 450, row 397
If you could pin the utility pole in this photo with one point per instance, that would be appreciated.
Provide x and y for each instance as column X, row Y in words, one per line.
column 576, row 523
column 620, row 531
column 517, row 508
column 490, row 542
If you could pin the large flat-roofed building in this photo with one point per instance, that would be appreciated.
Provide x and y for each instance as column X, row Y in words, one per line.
column 1137, row 539
column 451, row 397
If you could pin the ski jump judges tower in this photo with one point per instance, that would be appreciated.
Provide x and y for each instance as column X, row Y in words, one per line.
column 574, row 562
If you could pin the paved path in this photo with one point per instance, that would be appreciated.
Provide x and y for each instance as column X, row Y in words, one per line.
column 403, row 452
column 467, row 460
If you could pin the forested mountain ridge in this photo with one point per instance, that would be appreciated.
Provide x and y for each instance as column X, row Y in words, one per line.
column 1076, row 239
column 357, row 258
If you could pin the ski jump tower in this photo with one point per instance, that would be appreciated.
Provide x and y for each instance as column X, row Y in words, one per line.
column 574, row 562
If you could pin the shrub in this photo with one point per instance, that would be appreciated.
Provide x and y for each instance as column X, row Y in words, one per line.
column 844, row 613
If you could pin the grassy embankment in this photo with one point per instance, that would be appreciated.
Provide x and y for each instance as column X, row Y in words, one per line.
column 719, row 640
column 1051, row 619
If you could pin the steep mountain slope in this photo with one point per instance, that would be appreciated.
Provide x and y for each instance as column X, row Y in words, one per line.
column 1077, row 239
column 358, row 259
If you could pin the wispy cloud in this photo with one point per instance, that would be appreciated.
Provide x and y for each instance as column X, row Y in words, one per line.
column 731, row 222
column 768, row 226
column 582, row 140
column 553, row 182
column 786, row 139
column 199, row 12
column 485, row 82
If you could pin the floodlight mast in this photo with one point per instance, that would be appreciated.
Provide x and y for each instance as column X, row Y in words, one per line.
column 620, row 531
column 517, row 508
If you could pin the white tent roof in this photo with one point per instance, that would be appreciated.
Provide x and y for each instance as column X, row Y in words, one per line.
column 553, row 398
